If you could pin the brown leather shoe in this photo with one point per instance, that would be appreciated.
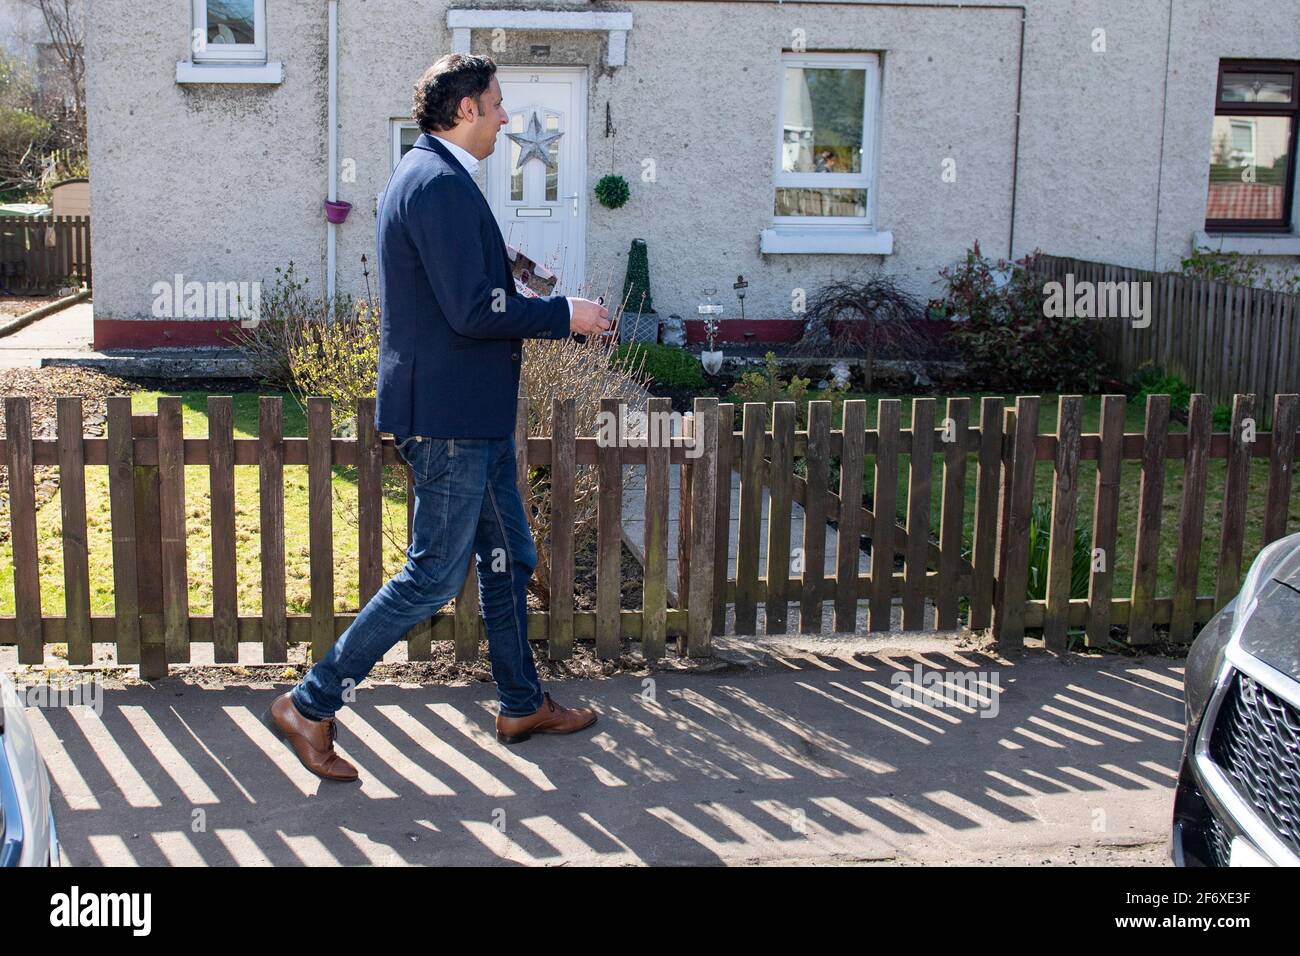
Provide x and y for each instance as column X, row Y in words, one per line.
column 550, row 718
column 311, row 740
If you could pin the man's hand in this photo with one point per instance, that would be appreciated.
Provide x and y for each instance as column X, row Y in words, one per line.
column 589, row 318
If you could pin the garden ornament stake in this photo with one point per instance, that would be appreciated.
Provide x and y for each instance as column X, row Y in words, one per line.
column 711, row 359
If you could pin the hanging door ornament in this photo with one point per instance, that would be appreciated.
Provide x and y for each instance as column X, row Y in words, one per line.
column 533, row 142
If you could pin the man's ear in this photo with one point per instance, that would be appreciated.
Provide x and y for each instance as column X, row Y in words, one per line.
column 469, row 110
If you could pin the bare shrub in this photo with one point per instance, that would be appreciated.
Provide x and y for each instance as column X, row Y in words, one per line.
column 290, row 317
column 856, row 309
column 586, row 372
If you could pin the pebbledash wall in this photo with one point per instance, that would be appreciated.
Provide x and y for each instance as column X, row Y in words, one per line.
column 222, row 182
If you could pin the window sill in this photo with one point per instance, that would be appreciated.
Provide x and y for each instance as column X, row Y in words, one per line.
column 1251, row 244
column 188, row 72
column 841, row 240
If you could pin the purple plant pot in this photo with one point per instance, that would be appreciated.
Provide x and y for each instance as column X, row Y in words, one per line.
column 336, row 210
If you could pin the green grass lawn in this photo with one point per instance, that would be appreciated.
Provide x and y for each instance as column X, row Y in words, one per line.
column 1135, row 412
column 198, row 527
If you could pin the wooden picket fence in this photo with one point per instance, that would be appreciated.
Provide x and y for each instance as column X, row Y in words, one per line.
column 1220, row 337
column 41, row 254
column 994, row 459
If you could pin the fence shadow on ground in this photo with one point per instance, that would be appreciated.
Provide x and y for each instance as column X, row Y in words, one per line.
column 803, row 759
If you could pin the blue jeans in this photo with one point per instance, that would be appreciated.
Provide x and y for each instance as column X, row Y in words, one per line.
column 466, row 500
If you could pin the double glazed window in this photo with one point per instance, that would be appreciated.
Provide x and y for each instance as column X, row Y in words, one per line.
column 229, row 31
column 824, row 154
column 1253, row 147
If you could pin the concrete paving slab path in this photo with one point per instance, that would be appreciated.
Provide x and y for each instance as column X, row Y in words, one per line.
column 798, row 751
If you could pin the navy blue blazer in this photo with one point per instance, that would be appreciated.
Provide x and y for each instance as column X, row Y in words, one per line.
column 451, row 322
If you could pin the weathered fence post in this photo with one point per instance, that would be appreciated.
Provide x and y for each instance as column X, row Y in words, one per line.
column 884, row 506
column 812, row 580
column 780, row 481
column 22, row 518
column 951, row 512
column 754, row 424
column 984, row 553
column 685, row 478
column 121, row 495
column 564, row 423
column 1146, row 549
column 320, row 530
column 221, row 487
column 722, row 516
column 148, row 553
column 1105, row 522
column 171, row 524
column 1234, row 501
column 1017, row 508
column 704, row 489
column 270, row 477
column 654, row 593
column 1191, row 521
column 609, row 533
column 1065, row 498
column 919, row 479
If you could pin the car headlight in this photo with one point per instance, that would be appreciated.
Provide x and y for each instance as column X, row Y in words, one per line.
column 1259, row 574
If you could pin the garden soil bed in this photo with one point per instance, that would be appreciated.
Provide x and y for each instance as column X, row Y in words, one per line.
column 12, row 306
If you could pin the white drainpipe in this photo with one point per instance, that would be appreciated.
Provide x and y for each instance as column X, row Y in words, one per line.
column 331, row 238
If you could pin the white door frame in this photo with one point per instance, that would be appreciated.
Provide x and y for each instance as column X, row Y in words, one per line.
column 575, row 266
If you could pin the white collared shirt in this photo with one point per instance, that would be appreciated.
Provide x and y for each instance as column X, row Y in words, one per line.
column 463, row 156
column 470, row 162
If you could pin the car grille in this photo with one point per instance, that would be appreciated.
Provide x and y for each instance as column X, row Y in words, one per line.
column 1220, row 843
column 1256, row 742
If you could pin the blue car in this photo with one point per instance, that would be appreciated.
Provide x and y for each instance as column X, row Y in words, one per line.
column 27, row 834
column 1238, row 796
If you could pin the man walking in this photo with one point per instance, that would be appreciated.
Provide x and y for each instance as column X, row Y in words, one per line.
column 450, row 354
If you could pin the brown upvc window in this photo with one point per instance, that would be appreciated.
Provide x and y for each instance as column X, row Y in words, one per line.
column 1253, row 148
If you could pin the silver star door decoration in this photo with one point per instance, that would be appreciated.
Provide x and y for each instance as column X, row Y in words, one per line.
column 534, row 142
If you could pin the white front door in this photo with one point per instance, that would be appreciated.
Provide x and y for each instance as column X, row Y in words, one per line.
column 537, row 182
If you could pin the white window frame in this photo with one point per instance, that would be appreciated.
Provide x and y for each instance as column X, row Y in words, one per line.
column 242, row 53
column 869, row 63
column 396, row 127
column 844, row 234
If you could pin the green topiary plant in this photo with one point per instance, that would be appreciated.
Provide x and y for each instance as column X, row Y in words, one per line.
column 612, row 191
column 636, row 287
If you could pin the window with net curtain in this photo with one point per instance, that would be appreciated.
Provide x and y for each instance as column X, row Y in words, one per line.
column 229, row 29
column 822, row 169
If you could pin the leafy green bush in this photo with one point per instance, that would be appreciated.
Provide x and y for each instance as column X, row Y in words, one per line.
column 767, row 387
column 1239, row 269
column 1221, row 418
column 665, row 364
column 1151, row 380
column 1004, row 336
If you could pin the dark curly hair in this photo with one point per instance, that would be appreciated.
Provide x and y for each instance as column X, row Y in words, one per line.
column 451, row 78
